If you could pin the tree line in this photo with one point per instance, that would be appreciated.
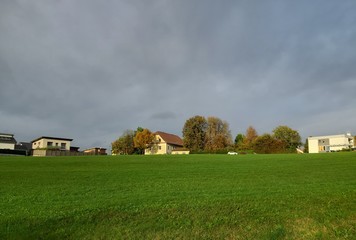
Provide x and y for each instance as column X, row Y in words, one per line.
column 213, row 135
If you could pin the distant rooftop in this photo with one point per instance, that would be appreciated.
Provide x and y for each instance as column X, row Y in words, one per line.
column 6, row 134
column 170, row 138
column 348, row 135
column 53, row 138
column 7, row 138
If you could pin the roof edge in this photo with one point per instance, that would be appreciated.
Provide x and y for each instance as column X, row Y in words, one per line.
column 331, row 136
column 8, row 134
column 53, row 138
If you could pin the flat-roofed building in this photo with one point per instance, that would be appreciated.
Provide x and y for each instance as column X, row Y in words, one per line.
column 331, row 143
column 7, row 141
column 52, row 142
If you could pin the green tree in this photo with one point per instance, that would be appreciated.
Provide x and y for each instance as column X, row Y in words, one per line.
column 143, row 140
column 218, row 135
column 124, row 144
column 290, row 137
column 139, row 129
column 268, row 144
column 239, row 139
column 194, row 132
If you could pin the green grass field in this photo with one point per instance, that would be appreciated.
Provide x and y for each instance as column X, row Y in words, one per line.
column 179, row 197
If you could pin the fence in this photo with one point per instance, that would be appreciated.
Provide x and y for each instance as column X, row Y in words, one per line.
column 57, row 153
column 13, row 152
column 45, row 153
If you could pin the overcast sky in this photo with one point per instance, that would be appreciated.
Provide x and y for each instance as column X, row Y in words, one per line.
column 90, row 69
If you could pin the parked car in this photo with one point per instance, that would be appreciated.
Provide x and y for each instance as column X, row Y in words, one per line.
column 232, row 153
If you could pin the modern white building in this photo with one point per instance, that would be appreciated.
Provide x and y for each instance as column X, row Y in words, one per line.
column 52, row 142
column 330, row 143
column 7, row 141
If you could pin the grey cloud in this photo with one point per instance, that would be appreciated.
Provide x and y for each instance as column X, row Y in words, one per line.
column 164, row 115
column 67, row 67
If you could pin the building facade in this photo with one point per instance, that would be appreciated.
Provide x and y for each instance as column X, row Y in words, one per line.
column 52, row 142
column 25, row 147
column 331, row 143
column 95, row 151
column 7, row 141
column 164, row 143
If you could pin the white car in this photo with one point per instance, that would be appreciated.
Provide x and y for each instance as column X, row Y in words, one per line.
column 232, row 153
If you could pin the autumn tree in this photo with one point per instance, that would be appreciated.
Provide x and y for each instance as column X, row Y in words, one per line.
column 250, row 136
column 218, row 136
column 124, row 144
column 143, row 139
column 194, row 131
column 266, row 143
column 290, row 137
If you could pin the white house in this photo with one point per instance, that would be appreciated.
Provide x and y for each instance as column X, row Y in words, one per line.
column 7, row 141
column 330, row 143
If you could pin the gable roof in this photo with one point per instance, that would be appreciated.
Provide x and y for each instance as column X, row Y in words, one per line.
column 170, row 138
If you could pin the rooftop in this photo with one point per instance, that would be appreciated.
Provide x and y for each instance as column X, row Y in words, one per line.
column 170, row 138
column 346, row 135
column 7, row 138
column 53, row 138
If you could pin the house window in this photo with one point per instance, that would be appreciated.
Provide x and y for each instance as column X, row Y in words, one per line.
column 159, row 147
column 50, row 144
column 56, row 144
column 63, row 146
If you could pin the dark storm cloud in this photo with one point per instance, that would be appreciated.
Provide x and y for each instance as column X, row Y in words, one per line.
column 90, row 69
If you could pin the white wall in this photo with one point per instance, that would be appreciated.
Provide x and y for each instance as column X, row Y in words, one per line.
column 332, row 143
column 313, row 145
column 7, row 146
column 43, row 143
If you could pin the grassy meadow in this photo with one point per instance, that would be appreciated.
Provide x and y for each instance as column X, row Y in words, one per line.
column 179, row 197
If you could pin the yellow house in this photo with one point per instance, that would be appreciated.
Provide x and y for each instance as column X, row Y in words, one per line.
column 51, row 142
column 164, row 143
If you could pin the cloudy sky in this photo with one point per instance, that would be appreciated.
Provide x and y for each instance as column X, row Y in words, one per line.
column 90, row 69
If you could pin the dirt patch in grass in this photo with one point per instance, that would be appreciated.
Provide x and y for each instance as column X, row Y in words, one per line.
column 345, row 228
column 306, row 228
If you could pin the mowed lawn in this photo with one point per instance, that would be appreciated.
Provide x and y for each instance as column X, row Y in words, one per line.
column 179, row 197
